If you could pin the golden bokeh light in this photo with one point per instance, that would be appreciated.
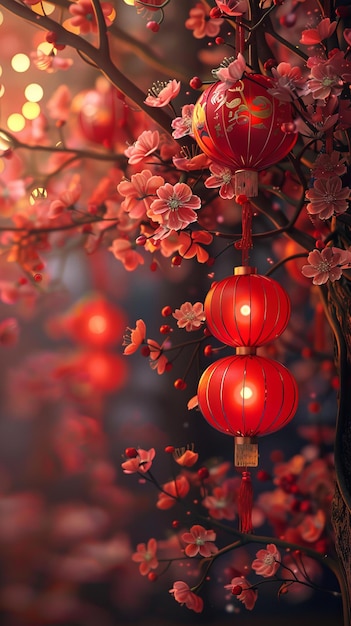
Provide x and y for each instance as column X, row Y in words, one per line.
column 16, row 122
column 1, row 18
column 20, row 62
column 31, row 110
column 2, row 90
column 34, row 92
column 39, row 193
column 43, row 8
column 5, row 141
column 45, row 47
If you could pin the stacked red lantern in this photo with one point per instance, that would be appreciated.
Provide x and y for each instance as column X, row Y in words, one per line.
column 247, row 395
column 244, row 128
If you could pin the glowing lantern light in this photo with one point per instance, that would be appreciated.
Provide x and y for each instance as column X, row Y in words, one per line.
column 247, row 309
column 104, row 371
column 243, row 128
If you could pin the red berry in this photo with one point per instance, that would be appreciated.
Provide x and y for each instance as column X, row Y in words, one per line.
column 169, row 449
column 208, row 350
column 168, row 366
column 306, row 353
column 165, row 329
column 141, row 240
column 177, row 260
column 288, row 128
column 152, row 576
column 51, row 36
column 305, row 506
column 314, row 407
column 153, row 266
column 219, row 41
column 269, row 64
column 335, row 383
column 241, row 199
column 37, row 278
column 145, row 351
column 131, row 453
column 203, row 473
column 207, row 333
column 59, row 46
column 154, row 26
column 179, row 384
column 320, row 245
column 22, row 281
column 195, row 82
column 166, row 311
column 175, row 523
column 236, row 591
column 210, row 261
column 263, row 475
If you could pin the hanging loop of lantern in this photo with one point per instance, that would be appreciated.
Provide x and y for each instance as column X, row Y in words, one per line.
column 242, row 127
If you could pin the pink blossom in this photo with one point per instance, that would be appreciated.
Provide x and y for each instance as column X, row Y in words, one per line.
column 232, row 73
column 199, row 22
column 146, row 144
column 232, row 7
column 9, row 331
column 172, row 491
column 190, row 316
column 267, row 561
column 312, row 526
column 146, row 556
column 200, row 541
column 186, row 458
column 328, row 165
column 183, row 125
column 325, row 81
column 124, row 252
column 59, row 105
column 191, row 246
column 326, row 264
column 223, row 178
column 313, row 36
column 221, row 504
column 139, row 192
column 162, row 93
column 141, row 463
column 183, row 594
column 288, row 82
column 136, row 338
column 175, row 207
column 158, row 360
column 190, row 164
column 66, row 199
column 247, row 595
column 84, row 15
column 50, row 63
column 327, row 197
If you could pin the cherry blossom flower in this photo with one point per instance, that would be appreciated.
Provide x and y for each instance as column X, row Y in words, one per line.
column 312, row 526
column 288, row 83
column 172, row 491
column 162, row 93
column 66, row 199
column 267, row 562
column 158, row 360
column 221, row 504
column 84, row 15
column 328, row 165
column 232, row 7
column 247, row 595
column 231, row 73
column 190, row 316
column 141, row 463
column 136, row 338
column 327, row 197
column 124, row 252
column 191, row 163
column 59, row 105
column 183, row 125
column 185, row 458
column 313, row 36
column 223, row 178
column 325, row 81
column 139, row 192
column 146, row 144
column 183, row 594
column 326, row 264
column 9, row 331
column 200, row 541
column 146, row 556
column 175, row 206
column 190, row 246
column 200, row 23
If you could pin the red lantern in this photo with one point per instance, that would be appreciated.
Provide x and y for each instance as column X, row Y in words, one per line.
column 242, row 127
column 247, row 309
column 246, row 396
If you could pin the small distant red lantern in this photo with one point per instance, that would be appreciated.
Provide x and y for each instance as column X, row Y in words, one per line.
column 102, row 371
column 247, row 309
column 243, row 127
column 247, row 395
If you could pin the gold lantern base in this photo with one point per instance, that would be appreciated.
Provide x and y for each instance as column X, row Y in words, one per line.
column 245, row 452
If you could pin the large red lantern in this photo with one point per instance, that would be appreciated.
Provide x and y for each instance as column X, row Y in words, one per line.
column 247, row 309
column 242, row 127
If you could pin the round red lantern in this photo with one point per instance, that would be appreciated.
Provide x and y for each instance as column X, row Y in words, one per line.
column 247, row 309
column 242, row 127
column 247, row 396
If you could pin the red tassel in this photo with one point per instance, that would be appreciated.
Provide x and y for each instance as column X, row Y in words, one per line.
column 245, row 502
